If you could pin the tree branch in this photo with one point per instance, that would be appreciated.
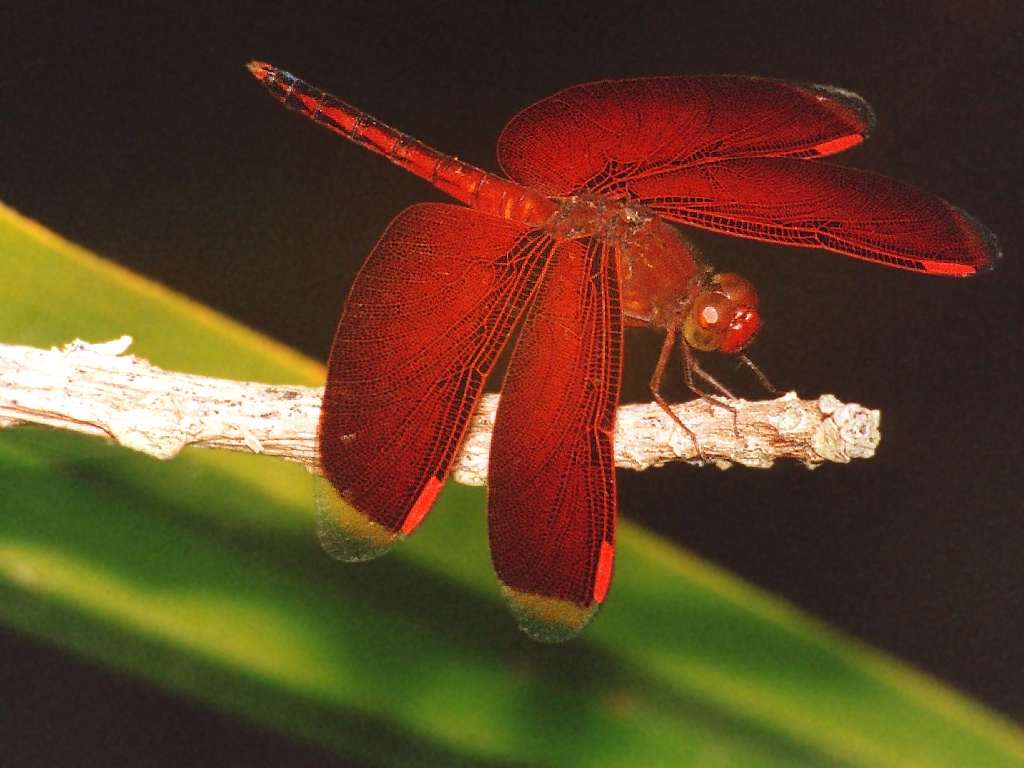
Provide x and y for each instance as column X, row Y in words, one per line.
column 98, row 390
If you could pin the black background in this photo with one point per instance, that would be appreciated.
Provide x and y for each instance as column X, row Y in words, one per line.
column 135, row 130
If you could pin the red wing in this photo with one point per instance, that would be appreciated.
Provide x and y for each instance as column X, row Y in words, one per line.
column 592, row 137
column 551, row 502
column 429, row 312
column 821, row 205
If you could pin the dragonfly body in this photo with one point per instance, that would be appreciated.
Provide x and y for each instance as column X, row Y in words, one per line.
column 572, row 247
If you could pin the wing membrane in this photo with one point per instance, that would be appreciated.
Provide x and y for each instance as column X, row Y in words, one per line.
column 551, row 503
column 591, row 137
column 429, row 312
column 821, row 205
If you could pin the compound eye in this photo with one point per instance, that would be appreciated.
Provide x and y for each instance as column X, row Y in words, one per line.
column 742, row 327
column 724, row 317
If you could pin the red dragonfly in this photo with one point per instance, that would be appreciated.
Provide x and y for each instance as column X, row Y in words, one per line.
column 574, row 245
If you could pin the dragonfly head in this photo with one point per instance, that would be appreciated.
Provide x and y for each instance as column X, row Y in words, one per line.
column 723, row 316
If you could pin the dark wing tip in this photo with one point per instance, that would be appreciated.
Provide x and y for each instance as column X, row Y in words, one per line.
column 991, row 251
column 548, row 619
column 346, row 533
column 854, row 102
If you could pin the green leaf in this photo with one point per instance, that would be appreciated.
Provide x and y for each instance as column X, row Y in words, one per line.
column 203, row 575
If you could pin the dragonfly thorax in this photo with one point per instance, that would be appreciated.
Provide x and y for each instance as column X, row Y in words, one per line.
column 588, row 215
column 661, row 276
